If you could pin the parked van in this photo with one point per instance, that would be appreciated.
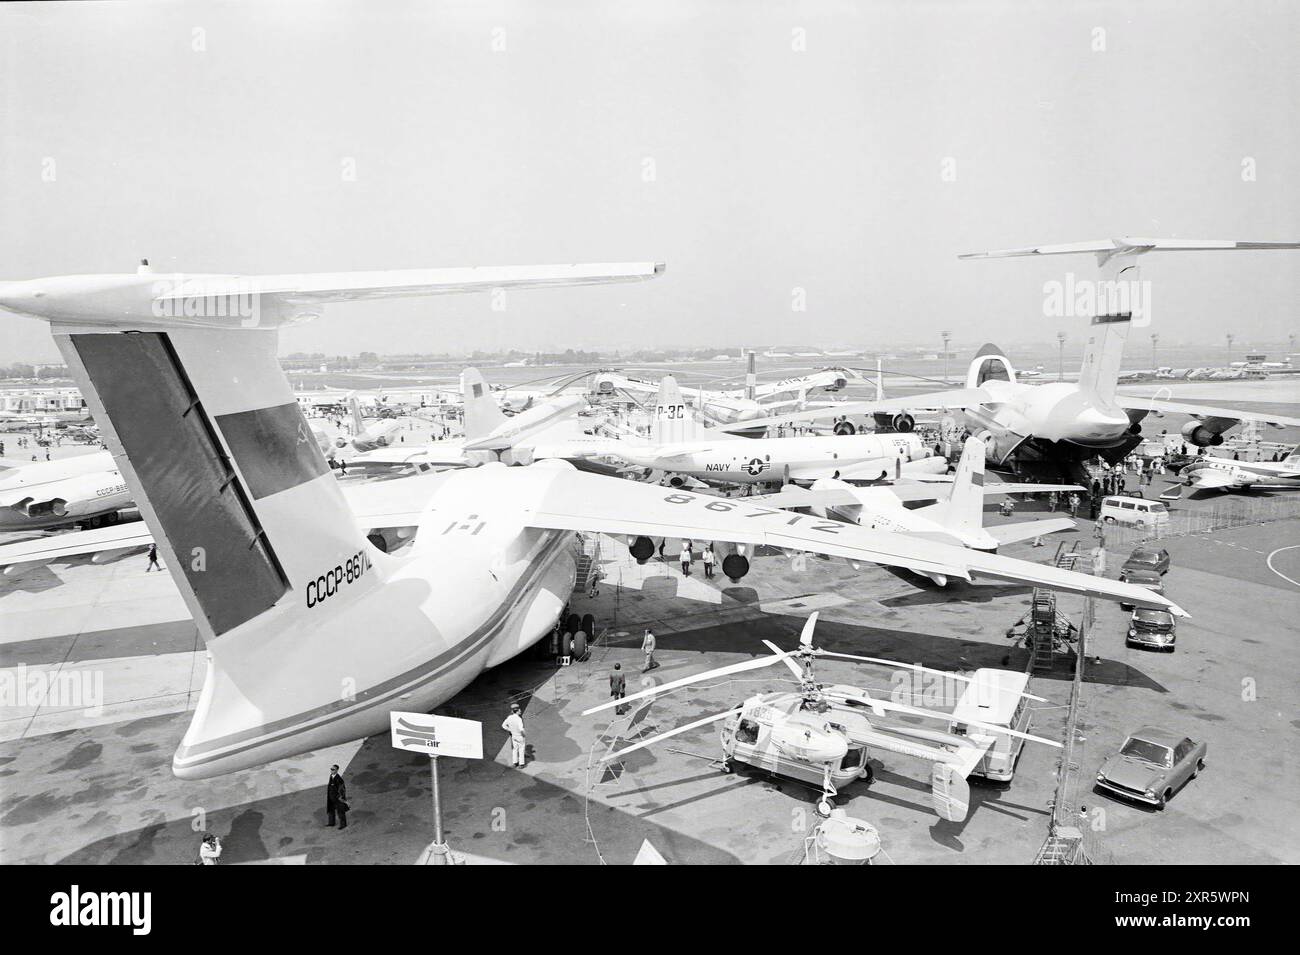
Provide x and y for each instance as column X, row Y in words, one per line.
column 1134, row 511
column 994, row 697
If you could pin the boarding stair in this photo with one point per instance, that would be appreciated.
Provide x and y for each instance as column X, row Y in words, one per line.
column 586, row 548
column 1048, row 627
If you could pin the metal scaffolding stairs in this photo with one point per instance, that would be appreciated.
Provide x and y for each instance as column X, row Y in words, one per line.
column 587, row 558
column 1046, row 624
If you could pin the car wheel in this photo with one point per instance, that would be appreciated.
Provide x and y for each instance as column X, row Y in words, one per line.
column 1200, row 765
column 1164, row 798
column 1108, row 520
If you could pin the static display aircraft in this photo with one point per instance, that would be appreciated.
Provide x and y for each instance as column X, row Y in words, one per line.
column 381, row 433
column 682, row 447
column 958, row 518
column 490, row 435
column 86, row 489
column 737, row 405
column 1225, row 474
column 1058, row 424
column 313, row 634
column 820, row 734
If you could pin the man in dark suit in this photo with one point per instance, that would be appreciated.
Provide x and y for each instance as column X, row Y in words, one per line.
column 336, row 798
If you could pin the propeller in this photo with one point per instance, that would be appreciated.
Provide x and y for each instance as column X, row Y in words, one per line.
column 947, row 675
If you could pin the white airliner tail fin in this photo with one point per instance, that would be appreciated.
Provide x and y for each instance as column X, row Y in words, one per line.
column 358, row 419
column 963, row 512
column 482, row 413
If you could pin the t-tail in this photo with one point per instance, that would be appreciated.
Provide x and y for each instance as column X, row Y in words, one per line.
column 312, row 634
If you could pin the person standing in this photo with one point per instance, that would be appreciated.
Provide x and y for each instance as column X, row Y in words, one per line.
column 648, row 648
column 514, row 725
column 209, row 850
column 1052, row 499
column 1074, row 504
column 336, row 799
column 618, row 687
column 686, row 558
column 153, row 559
column 706, row 555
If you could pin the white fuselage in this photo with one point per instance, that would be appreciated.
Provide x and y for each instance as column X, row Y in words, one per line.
column 48, row 494
column 1212, row 472
column 765, row 460
column 477, row 588
column 1056, row 411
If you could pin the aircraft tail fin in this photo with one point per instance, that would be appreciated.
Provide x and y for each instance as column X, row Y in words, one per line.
column 880, row 380
column 963, row 512
column 1292, row 461
column 751, row 376
column 1102, row 356
column 482, row 413
column 358, row 419
column 673, row 422
column 250, row 523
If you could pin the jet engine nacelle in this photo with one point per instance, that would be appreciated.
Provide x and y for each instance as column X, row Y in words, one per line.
column 675, row 480
column 641, row 549
column 1201, row 436
column 57, row 507
column 845, row 428
column 899, row 421
column 735, row 565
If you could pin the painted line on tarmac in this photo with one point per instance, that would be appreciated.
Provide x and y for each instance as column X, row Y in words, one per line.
column 1278, row 572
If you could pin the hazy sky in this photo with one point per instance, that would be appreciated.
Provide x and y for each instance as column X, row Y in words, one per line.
column 756, row 147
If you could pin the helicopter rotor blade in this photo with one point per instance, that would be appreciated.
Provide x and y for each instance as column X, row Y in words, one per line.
column 805, row 638
column 672, row 732
column 755, row 664
column 947, row 717
column 919, row 669
column 794, row 667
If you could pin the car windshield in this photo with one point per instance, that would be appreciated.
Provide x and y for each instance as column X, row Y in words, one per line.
column 1161, row 617
column 1157, row 508
column 1147, row 752
column 1144, row 557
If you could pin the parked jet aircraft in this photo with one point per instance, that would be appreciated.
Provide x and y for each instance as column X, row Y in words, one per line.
column 1058, row 424
column 731, row 406
column 86, row 489
column 956, row 518
column 536, row 433
column 680, row 446
column 381, row 433
column 272, row 564
column 1226, row 474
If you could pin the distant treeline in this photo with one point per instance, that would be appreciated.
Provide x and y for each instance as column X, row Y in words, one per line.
column 570, row 356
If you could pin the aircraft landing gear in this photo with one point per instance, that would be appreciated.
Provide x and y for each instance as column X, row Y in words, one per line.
column 824, row 807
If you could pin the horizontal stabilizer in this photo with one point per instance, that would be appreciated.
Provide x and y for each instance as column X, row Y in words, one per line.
column 1027, row 530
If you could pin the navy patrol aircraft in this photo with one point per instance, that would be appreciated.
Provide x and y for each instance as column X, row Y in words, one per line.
column 313, row 634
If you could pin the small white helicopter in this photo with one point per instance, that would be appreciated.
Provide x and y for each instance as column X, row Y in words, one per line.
column 820, row 733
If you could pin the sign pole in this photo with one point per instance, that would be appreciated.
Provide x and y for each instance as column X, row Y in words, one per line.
column 441, row 854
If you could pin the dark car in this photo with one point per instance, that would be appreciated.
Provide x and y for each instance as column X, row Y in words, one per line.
column 1151, row 766
column 1146, row 557
column 1151, row 628
column 1149, row 579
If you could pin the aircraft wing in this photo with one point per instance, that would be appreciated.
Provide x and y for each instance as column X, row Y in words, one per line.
column 1026, row 530
column 957, row 398
column 1211, row 478
column 396, row 503
column 323, row 287
column 1012, row 488
column 1203, row 411
column 585, row 502
column 42, row 550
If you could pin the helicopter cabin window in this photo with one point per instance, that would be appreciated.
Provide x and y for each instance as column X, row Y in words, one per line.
column 747, row 732
column 853, row 759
